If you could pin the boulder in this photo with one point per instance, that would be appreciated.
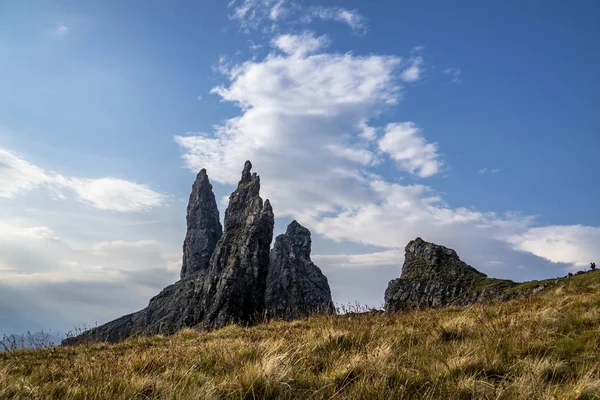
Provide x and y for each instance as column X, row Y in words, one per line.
column 434, row 275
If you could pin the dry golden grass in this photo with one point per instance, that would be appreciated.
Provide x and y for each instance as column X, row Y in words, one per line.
column 544, row 347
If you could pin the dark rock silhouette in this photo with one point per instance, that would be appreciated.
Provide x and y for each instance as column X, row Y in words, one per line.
column 230, row 290
column 434, row 275
column 295, row 285
column 203, row 227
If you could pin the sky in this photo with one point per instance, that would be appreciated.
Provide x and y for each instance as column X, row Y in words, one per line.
column 474, row 125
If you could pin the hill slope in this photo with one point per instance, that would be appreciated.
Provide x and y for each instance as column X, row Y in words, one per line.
column 543, row 346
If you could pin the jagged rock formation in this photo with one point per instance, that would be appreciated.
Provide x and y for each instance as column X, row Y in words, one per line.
column 203, row 227
column 434, row 275
column 230, row 290
column 241, row 259
column 295, row 285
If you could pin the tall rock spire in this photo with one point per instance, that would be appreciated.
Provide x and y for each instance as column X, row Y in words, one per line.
column 203, row 227
column 295, row 285
column 241, row 258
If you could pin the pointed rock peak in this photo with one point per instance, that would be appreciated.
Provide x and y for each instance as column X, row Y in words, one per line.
column 203, row 227
column 267, row 206
column 295, row 229
column 201, row 180
column 246, row 175
column 299, row 238
column 295, row 285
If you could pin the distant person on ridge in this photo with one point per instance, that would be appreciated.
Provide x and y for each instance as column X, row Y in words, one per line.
column 593, row 265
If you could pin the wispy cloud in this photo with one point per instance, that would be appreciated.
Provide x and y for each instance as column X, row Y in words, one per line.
column 368, row 260
column 574, row 244
column 412, row 72
column 453, row 74
column 61, row 30
column 19, row 176
column 352, row 18
column 412, row 153
column 254, row 14
column 300, row 45
column 484, row 171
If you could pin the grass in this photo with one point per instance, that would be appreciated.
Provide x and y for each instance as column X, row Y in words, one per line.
column 543, row 347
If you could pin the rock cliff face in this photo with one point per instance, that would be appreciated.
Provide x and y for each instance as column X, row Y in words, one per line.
column 434, row 275
column 203, row 227
column 230, row 289
column 295, row 285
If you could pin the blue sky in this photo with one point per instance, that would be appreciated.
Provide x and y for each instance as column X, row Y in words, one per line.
column 471, row 125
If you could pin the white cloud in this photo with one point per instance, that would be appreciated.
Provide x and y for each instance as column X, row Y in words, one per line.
column 484, row 171
column 252, row 14
column 573, row 244
column 302, row 118
column 362, row 261
column 19, row 176
column 278, row 11
column 357, row 155
column 453, row 74
column 413, row 71
column 350, row 17
column 25, row 229
column 61, row 30
column 115, row 194
column 63, row 269
column 300, row 45
column 412, row 153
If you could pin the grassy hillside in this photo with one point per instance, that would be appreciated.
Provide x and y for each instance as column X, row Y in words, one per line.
column 544, row 346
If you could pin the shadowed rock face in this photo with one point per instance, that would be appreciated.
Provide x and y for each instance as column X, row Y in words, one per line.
column 434, row 275
column 230, row 290
column 295, row 285
column 203, row 227
column 241, row 259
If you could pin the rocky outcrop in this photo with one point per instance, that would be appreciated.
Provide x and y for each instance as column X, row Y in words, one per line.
column 203, row 227
column 295, row 285
column 434, row 275
column 240, row 263
column 229, row 290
